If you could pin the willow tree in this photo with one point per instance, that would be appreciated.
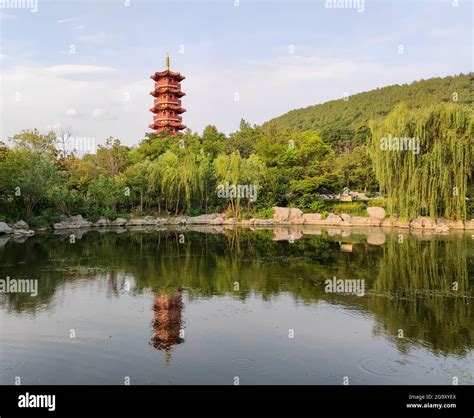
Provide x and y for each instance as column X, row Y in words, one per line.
column 423, row 159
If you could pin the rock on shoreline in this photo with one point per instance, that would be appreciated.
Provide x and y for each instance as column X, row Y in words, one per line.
column 282, row 216
column 18, row 229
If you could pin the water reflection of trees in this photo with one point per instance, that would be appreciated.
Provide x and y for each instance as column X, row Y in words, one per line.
column 409, row 284
column 415, row 292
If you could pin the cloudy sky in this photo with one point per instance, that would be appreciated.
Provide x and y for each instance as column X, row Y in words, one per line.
column 83, row 66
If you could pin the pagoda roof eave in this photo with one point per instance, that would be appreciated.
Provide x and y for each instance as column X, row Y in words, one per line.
column 165, row 73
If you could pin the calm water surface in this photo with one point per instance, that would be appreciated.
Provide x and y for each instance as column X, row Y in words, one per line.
column 205, row 305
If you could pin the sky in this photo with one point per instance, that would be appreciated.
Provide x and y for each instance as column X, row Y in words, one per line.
column 83, row 67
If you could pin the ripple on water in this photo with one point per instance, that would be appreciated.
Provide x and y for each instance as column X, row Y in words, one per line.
column 243, row 363
column 383, row 366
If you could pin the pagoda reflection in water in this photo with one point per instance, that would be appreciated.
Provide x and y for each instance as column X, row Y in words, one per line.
column 167, row 321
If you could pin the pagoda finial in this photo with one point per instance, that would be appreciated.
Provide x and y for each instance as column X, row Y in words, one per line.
column 167, row 61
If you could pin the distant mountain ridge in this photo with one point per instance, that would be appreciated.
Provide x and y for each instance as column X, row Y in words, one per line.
column 362, row 107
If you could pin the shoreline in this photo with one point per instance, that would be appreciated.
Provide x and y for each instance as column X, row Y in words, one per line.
column 283, row 217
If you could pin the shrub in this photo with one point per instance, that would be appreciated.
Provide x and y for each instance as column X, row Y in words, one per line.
column 264, row 213
column 317, row 206
column 351, row 208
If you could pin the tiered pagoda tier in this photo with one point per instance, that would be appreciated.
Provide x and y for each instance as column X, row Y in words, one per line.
column 167, row 94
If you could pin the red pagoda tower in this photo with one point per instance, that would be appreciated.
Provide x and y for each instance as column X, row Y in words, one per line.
column 167, row 94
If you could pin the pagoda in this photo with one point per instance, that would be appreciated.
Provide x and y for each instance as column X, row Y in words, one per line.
column 167, row 94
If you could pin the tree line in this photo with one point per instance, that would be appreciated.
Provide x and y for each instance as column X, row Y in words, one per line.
column 179, row 174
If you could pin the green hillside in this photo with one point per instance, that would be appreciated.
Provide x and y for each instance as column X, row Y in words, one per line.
column 363, row 107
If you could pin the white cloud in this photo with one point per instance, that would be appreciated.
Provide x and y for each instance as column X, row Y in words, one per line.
column 69, row 69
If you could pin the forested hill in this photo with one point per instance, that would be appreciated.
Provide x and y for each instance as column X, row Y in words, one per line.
column 363, row 107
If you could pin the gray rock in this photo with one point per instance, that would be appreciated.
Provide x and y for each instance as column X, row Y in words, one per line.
column 63, row 218
column 179, row 220
column 77, row 219
column 5, row 229
column 119, row 222
column 202, row 219
column 21, row 225
column 102, row 222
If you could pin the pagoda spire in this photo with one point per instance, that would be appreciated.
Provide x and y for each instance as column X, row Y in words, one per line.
column 167, row 107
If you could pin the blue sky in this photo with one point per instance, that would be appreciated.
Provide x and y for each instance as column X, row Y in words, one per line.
column 84, row 66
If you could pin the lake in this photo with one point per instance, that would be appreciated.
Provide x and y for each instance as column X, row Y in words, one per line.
column 204, row 305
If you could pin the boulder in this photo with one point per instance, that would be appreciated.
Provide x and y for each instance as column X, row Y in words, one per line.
column 346, row 218
column 202, row 219
column 360, row 221
column 264, row 222
column 333, row 219
column 230, row 221
column 281, row 214
column 74, row 222
column 455, row 224
column 365, row 221
column 442, row 226
column 119, row 222
column 5, row 229
column 400, row 223
column 469, row 224
column 217, row 221
column 21, row 225
column 63, row 218
column 312, row 218
column 141, row 222
column 102, row 222
column 179, row 220
column 136, row 222
column 388, row 222
column 428, row 223
column 417, row 223
column 296, row 215
column 376, row 212
column 77, row 219
column 248, row 221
